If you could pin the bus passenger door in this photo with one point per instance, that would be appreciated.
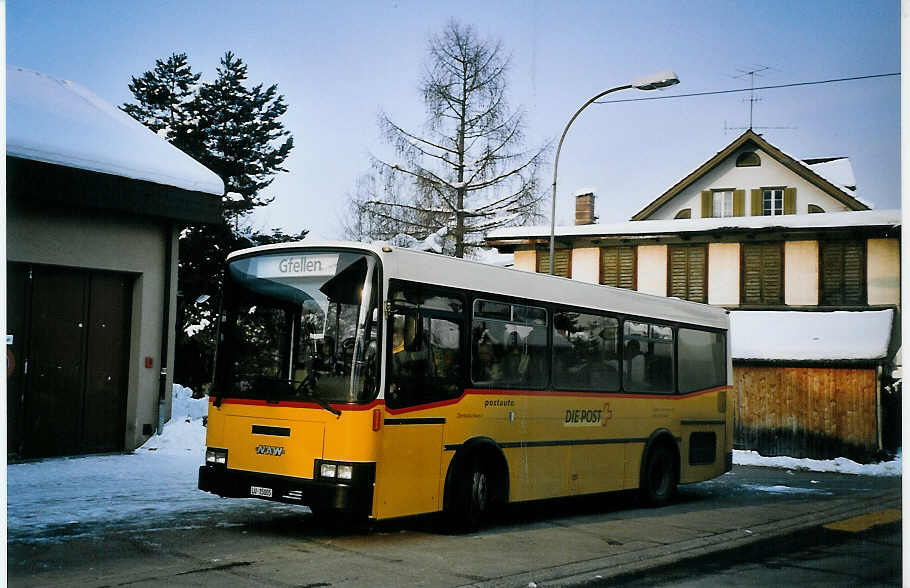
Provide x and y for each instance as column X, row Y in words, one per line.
column 424, row 371
column 407, row 475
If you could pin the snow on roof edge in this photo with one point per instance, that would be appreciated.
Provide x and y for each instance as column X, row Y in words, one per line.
column 650, row 227
column 64, row 123
column 810, row 336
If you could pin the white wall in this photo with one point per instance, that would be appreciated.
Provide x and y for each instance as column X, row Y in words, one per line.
column 586, row 264
column 723, row 274
column 883, row 271
column 801, row 273
column 652, row 269
column 525, row 260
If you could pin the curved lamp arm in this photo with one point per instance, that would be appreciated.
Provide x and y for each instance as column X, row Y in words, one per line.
column 652, row 82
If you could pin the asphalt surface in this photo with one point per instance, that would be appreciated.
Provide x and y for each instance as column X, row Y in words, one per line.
column 590, row 541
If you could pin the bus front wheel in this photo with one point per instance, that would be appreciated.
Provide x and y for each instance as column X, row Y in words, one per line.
column 658, row 476
column 472, row 497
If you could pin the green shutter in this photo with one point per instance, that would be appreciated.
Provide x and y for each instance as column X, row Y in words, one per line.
column 843, row 273
column 762, row 273
column 739, row 203
column 707, row 204
column 789, row 200
column 686, row 272
column 756, row 202
column 561, row 258
column 617, row 267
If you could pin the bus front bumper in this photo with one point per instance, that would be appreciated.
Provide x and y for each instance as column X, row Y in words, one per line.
column 356, row 496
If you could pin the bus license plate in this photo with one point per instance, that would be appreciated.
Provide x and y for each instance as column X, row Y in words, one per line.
column 260, row 491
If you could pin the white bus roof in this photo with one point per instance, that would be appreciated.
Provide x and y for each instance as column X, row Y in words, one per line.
column 431, row 268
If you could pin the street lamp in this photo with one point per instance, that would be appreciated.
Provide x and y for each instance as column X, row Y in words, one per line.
column 652, row 82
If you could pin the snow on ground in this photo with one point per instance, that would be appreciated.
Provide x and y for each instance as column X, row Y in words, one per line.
column 155, row 486
column 840, row 465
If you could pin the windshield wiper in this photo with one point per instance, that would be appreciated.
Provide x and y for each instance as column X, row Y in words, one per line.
column 323, row 403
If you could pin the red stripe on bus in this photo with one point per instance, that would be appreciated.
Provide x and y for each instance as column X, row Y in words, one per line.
column 472, row 391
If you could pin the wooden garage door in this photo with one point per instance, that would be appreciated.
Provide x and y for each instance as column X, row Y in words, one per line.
column 75, row 384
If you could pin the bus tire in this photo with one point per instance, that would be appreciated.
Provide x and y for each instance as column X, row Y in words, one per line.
column 659, row 476
column 472, row 496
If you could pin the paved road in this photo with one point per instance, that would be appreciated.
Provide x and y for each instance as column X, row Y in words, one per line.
column 552, row 543
column 822, row 557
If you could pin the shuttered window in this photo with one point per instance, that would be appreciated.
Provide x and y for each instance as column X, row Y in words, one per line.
column 617, row 267
column 843, row 272
column 687, row 269
column 762, row 273
column 562, row 261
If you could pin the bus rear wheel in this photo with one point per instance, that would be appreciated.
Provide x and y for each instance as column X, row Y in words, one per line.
column 658, row 476
column 472, row 497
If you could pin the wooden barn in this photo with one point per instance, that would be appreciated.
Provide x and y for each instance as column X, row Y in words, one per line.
column 814, row 384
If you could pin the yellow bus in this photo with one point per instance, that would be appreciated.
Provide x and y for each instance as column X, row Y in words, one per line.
column 388, row 382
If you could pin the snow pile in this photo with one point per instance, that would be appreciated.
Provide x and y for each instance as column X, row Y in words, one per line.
column 794, row 335
column 184, row 432
column 840, row 465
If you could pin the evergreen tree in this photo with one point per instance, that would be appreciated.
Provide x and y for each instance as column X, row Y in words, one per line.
column 241, row 138
column 235, row 131
column 163, row 96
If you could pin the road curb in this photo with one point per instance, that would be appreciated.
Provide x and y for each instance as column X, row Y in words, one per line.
column 626, row 565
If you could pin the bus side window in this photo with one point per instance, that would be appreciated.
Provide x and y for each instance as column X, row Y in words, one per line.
column 426, row 359
column 647, row 358
column 585, row 352
column 508, row 344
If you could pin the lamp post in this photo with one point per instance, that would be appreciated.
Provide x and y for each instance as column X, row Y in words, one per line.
column 652, row 82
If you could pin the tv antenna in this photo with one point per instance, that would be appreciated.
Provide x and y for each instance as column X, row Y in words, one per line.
column 751, row 73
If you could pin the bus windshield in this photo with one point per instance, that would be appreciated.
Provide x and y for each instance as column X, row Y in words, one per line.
column 299, row 326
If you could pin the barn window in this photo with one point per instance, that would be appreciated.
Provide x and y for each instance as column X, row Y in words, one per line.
column 748, row 159
column 762, row 273
column 687, row 269
column 842, row 272
column 684, row 213
column 617, row 267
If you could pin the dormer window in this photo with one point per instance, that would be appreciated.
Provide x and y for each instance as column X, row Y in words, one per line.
column 748, row 159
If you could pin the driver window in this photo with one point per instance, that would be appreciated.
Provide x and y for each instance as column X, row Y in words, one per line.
column 424, row 349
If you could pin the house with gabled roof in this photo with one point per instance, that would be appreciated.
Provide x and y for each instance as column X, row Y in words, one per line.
column 94, row 205
column 780, row 242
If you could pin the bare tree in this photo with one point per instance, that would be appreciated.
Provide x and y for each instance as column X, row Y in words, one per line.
column 466, row 172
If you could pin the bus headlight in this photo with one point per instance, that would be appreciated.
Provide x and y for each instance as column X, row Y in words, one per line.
column 214, row 456
column 345, row 471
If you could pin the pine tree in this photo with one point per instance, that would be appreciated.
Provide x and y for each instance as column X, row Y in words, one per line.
column 241, row 138
column 235, row 131
column 163, row 95
column 466, row 173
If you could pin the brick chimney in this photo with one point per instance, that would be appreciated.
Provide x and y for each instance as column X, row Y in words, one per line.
column 584, row 209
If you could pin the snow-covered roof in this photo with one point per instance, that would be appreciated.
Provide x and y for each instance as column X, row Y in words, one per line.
column 810, row 336
column 64, row 123
column 836, row 170
column 859, row 218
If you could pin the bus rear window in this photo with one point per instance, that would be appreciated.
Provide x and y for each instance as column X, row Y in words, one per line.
column 704, row 356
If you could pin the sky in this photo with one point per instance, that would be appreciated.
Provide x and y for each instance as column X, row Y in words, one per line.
column 339, row 65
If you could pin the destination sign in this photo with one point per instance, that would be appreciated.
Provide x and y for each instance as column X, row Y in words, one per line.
column 297, row 265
